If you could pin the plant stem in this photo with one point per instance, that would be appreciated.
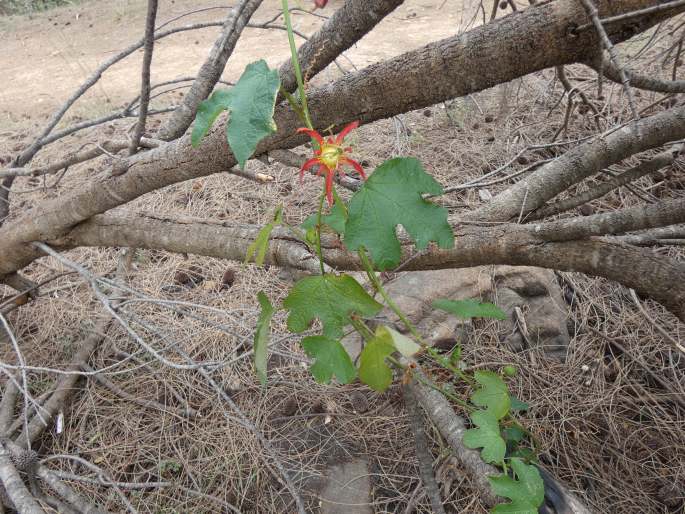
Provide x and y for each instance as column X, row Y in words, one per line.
column 296, row 64
column 378, row 286
column 319, row 253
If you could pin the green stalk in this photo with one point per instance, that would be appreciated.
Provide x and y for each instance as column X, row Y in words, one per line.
column 378, row 286
column 296, row 63
column 319, row 253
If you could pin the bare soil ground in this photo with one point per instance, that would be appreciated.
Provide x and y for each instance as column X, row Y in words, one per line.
column 604, row 426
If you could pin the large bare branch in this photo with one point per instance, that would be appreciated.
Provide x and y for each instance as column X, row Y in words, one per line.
column 436, row 72
column 526, row 245
column 582, row 162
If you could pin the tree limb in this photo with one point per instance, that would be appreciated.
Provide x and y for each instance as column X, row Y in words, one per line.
column 525, row 245
column 491, row 53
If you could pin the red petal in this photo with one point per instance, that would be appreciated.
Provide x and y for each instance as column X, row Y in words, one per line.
column 320, row 3
column 346, row 130
column 312, row 133
column 307, row 164
column 358, row 167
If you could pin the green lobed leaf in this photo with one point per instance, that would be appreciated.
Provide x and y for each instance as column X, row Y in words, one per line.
column 373, row 370
column 252, row 109
column 207, row 113
column 493, row 393
column 393, row 196
column 251, row 103
column 467, row 309
column 331, row 358
column 486, row 436
column 261, row 336
column 331, row 299
column 526, row 493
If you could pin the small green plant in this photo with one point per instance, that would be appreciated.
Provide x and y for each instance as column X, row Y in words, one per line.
column 393, row 195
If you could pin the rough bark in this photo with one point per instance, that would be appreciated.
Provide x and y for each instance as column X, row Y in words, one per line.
column 23, row 500
column 580, row 163
column 525, row 245
column 492, row 54
column 210, row 72
column 342, row 30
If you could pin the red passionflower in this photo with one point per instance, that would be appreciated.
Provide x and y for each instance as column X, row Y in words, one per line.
column 331, row 156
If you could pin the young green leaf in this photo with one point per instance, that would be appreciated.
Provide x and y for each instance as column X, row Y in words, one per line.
column 373, row 370
column 455, row 355
column 467, row 309
column 331, row 299
column 526, row 493
column 513, row 434
column 493, row 394
column 331, row 358
column 260, row 245
column 252, row 109
column 518, row 405
column 393, row 196
column 402, row 343
column 261, row 336
column 251, row 103
column 207, row 113
column 486, row 436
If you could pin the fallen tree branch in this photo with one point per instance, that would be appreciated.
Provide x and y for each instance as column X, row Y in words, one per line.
column 23, row 500
column 527, row 245
column 580, row 163
column 64, row 387
column 649, row 83
column 423, row 454
column 382, row 90
column 148, row 48
column 597, row 191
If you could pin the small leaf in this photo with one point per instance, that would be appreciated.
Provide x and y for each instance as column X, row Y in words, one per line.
column 518, row 405
column 526, row 454
column 393, row 196
column 331, row 358
column 261, row 336
column 493, row 393
column 260, row 245
column 331, row 299
column 486, row 436
column 467, row 309
column 207, row 113
column 455, row 355
column 335, row 219
column 526, row 493
column 252, row 109
column 373, row 370
column 513, row 434
column 402, row 343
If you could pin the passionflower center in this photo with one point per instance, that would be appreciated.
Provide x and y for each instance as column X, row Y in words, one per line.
column 330, row 155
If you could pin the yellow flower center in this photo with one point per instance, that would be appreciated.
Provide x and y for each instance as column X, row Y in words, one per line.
column 330, row 155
